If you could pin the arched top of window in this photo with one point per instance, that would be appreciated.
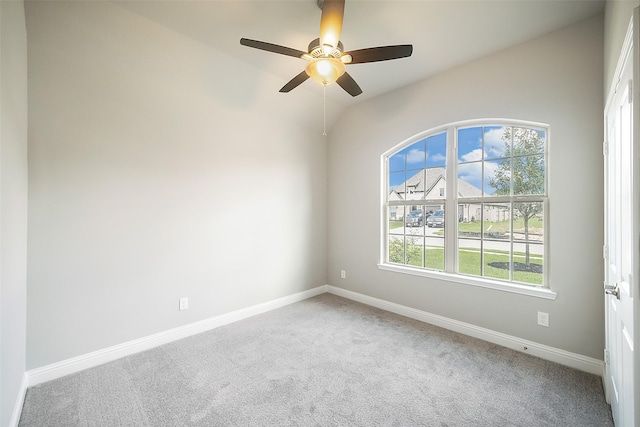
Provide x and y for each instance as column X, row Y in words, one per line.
column 468, row 199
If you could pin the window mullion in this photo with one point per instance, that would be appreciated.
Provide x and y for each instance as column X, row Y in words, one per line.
column 451, row 202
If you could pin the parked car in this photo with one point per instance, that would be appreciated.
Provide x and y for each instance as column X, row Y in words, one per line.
column 414, row 219
column 436, row 219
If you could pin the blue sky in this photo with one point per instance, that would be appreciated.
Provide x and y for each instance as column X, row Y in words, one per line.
column 480, row 152
column 476, row 147
column 429, row 152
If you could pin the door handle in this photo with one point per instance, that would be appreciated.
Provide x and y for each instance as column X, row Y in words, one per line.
column 612, row 290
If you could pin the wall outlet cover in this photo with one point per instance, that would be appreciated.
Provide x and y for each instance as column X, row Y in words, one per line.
column 543, row 319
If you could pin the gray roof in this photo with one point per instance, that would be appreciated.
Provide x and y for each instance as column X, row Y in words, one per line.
column 467, row 190
column 420, row 183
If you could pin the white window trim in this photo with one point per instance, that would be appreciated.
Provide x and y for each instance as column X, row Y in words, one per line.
column 451, row 129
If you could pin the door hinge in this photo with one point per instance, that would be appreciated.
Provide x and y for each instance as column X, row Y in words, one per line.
column 605, row 252
column 630, row 94
column 606, row 356
column 605, row 148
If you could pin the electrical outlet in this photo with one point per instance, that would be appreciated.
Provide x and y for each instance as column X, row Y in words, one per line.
column 543, row 319
column 184, row 303
column 343, row 274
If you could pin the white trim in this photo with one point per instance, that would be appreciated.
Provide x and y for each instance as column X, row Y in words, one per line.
column 533, row 291
column 451, row 202
column 17, row 408
column 625, row 53
column 99, row 357
column 89, row 360
column 573, row 360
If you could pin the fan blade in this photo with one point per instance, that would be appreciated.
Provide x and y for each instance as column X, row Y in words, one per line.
column 347, row 83
column 331, row 22
column 295, row 82
column 270, row 47
column 381, row 53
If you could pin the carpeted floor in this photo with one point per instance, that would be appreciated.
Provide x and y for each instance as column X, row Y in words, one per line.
column 326, row 361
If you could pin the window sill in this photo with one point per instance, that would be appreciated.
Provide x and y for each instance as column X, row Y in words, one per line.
column 474, row 281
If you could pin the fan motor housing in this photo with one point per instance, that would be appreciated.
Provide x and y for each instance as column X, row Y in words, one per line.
column 316, row 51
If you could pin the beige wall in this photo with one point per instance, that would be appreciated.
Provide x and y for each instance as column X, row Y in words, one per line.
column 157, row 172
column 13, row 207
column 555, row 79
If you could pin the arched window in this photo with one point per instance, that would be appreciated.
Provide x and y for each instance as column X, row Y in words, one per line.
column 469, row 200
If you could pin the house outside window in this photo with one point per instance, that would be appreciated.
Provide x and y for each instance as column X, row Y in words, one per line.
column 469, row 201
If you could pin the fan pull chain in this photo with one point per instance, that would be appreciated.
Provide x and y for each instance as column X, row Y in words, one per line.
column 324, row 109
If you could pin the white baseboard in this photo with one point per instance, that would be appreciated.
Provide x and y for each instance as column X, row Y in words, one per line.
column 17, row 408
column 89, row 360
column 573, row 360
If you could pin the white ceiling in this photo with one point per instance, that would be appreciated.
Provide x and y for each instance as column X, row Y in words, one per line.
column 444, row 33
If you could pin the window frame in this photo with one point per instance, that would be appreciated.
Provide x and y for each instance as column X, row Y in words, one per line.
column 451, row 209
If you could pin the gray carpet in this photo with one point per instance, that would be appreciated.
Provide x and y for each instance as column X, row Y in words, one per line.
column 326, row 361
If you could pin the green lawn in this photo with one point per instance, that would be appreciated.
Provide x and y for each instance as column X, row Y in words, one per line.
column 536, row 226
column 469, row 261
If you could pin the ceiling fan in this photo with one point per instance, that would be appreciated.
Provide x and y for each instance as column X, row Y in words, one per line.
column 326, row 55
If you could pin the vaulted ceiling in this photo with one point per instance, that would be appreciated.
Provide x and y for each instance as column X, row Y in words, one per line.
column 444, row 34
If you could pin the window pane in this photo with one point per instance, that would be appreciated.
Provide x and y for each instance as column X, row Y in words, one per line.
column 396, row 186
column 435, row 183
column 437, row 150
column 431, row 208
column 415, row 185
column 496, row 221
column 528, row 141
column 436, row 220
column 528, row 222
column 528, row 175
column 469, row 220
column 415, row 155
column 414, row 251
column 469, row 257
column 497, row 259
column 469, row 144
column 528, row 272
column 396, row 249
column 470, row 179
column 497, row 142
column 434, row 252
column 396, row 218
column 396, row 162
column 528, row 236
column 497, row 177
column 415, row 220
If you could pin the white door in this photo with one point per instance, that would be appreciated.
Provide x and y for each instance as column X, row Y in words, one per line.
column 621, row 250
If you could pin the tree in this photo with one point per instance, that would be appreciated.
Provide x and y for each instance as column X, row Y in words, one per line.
column 411, row 256
column 523, row 172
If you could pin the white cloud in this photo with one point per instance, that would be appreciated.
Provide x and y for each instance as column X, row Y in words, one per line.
column 471, row 172
column 415, row 155
column 472, row 155
column 437, row 158
column 493, row 143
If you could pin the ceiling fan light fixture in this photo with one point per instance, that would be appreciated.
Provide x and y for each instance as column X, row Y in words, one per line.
column 326, row 55
column 325, row 70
